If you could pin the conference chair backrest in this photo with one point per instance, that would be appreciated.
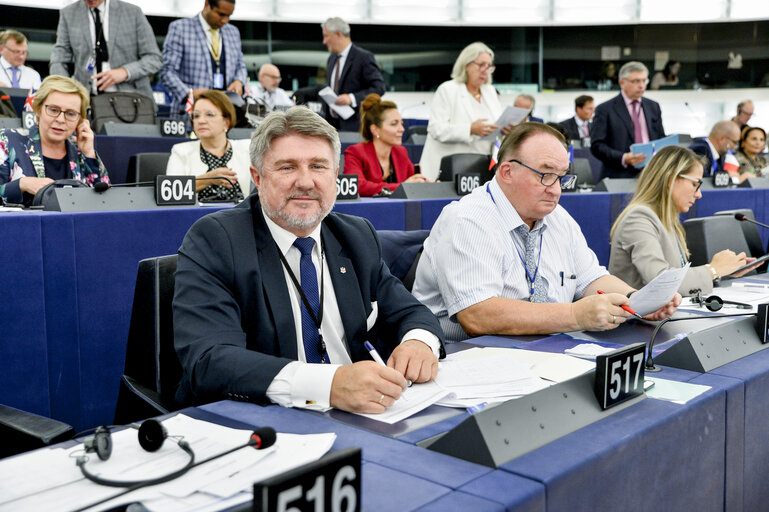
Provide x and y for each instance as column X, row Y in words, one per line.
column 750, row 230
column 463, row 162
column 706, row 236
column 130, row 129
column 581, row 168
column 152, row 368
column 240, row 133
column 149, row 165
column 10, row 122
column 415, row 134
column 350, row 137
column 401, row 251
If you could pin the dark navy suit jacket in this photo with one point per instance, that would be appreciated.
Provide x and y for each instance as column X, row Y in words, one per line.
column 701, row 147
column 233, row 323
column 359, row 77
column 570, row 125
column 612, row 134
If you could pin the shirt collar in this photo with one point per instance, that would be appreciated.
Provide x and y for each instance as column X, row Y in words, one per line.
column 713, row 150
column 102, row 8
column 345, row 52
column 628, row 101
column 5, row 63
column 509, row 214
column 203, row 23
column 284, row 238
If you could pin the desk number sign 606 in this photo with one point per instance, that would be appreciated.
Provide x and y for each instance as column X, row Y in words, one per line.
column 619, row 375
column 331, row 484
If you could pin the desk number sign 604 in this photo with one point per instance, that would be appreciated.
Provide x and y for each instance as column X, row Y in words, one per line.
column 619, row 375
column 331, row 484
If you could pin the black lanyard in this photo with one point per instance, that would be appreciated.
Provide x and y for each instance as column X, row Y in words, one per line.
column 318, row 320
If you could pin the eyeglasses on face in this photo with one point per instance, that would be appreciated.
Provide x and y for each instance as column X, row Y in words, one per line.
column 637, row 81
column 697, row 182
column 483, row 66
column 208, row 115
column 54, row 111
column 549, row 178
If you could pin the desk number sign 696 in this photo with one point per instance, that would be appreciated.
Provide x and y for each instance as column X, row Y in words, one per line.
column 619, row 375
column 330, row 484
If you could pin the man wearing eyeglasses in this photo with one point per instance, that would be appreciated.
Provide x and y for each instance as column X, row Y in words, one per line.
column 724, row 136
column 626, row 119
column 268, row 92
column 507, row 259
column 13, row 48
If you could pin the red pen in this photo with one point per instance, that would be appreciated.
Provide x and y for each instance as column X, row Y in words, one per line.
column 624, row 306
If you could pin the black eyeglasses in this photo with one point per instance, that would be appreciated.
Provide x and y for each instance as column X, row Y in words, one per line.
column 549, row 178
column 69, row 115
column 693, row 180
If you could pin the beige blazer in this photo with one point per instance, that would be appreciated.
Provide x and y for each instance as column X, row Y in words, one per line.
column 185, row 161
column 642, row 249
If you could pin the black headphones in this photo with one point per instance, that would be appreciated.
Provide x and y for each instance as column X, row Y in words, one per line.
column 151, row 437
column 715, row 303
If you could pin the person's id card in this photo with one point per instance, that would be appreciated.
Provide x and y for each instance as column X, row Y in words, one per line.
column 91, row 66
column 218, row 81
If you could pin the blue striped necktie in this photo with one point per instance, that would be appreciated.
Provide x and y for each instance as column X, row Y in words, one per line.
column 309, row 279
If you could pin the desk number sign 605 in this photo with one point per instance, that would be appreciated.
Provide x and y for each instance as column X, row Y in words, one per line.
column 619, row 375
column 331, row 484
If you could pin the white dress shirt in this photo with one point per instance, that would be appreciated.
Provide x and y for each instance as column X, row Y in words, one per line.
column 209, row 37
column 472, row 254
column 104, row 16
column 276, row 98
column 308, row 385
column 28, row 78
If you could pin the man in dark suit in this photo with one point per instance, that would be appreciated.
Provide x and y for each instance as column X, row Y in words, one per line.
column 724, row 135
column 626, row 119
column 253, row 318
column 578, row 127
column 352, row 73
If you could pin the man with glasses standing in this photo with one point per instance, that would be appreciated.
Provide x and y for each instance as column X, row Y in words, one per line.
column 723, row 137
column 626, row 119
column 507, row 259
column 13, row 48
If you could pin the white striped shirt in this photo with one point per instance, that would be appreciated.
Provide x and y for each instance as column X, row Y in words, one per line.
column 470, row 256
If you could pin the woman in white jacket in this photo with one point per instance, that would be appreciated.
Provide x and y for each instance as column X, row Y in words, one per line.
column 213, row 155
column 463, row 110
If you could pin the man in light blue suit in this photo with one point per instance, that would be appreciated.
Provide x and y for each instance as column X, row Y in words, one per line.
column 203, row 52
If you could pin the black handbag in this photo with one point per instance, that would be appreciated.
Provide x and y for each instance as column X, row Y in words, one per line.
column 121, row 107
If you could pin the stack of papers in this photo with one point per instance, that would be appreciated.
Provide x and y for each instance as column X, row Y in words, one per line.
column 588, row 351
column 485, row 375
column 416, row 398
column 48, row 479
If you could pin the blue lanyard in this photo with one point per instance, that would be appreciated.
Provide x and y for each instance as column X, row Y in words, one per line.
column 525, row 267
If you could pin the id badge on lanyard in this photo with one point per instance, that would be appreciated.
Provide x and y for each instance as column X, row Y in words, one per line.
column 218, row 78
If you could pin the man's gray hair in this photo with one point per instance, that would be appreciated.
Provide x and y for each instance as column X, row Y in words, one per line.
column 468, row 55
column 528, row 97
column 631, row 67
column 337, row 25
column 294, row 121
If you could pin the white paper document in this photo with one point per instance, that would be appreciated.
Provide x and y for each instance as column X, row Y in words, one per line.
column 48, row 479
column 588, row 351
column 658, row 291
column 328, row 95
column 509, row 115
column 414, row 399
column 673, row 391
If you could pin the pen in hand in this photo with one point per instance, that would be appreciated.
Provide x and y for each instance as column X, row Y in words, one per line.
column 376, row 357
column 625, row 307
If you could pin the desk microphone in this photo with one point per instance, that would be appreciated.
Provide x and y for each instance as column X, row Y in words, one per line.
column 101, row 186
column 649, row 359
column 742, row 217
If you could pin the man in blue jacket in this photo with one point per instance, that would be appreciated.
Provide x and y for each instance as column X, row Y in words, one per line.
column 275, row 298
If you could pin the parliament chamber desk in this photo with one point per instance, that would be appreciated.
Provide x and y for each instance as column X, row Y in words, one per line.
column 69, row 287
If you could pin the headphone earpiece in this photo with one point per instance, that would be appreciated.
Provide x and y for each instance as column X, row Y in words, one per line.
column 715, row 303
column 151, row 435
column 100, row 443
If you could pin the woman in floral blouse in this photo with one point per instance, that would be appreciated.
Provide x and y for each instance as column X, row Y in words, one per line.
column 59, row 147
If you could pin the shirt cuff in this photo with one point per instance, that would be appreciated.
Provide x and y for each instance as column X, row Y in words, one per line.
column 353, row 103
column 426, row 337
column 623, row 160
column 303, row 385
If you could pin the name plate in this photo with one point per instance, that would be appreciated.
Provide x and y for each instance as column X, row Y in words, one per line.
column 721, row 179
column 28, row 120
column 331, row 483
column 619, row 375
column 466, row 182
column 346, row 187
column 762, row 322
column 173, row 127
column 175, row 190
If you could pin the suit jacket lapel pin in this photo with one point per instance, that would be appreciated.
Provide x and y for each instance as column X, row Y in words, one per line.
column 343, row 270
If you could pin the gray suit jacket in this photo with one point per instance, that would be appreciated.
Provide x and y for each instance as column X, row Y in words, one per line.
column 131, row 45
column 642, row 249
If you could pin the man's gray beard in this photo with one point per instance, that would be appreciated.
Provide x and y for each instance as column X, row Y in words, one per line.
column 302, row 224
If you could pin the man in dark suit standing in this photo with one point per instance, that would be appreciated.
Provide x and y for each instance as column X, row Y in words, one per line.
column 626, row 119
column 724, row 135
column 578, row 127
column 275, row 298
column 352, row 73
